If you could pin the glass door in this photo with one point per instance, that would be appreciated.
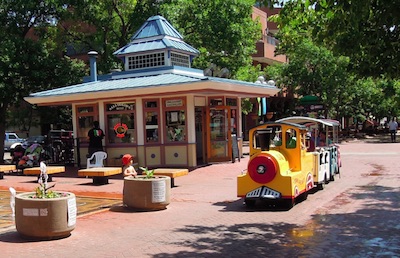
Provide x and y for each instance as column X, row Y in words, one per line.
column 219, row 134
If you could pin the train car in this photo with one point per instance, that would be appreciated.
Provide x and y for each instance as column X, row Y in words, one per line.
column 323, row 139
column 283, row 167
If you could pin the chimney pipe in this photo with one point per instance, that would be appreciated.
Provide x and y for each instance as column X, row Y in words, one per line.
column 93, row 65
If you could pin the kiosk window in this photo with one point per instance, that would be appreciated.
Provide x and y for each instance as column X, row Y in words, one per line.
column 85, row 116
column 151, row 116
column 121, row 122
column 175, row 120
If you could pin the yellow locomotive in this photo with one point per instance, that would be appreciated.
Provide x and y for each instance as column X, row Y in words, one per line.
column 287, row 160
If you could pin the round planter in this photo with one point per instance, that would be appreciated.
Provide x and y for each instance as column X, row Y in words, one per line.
column 147, row 194
column 50, row 218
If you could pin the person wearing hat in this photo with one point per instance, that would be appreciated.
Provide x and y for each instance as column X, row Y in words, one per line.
column 129, row 170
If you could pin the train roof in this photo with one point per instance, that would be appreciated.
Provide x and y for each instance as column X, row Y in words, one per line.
column 306, row 120
column 290, row 123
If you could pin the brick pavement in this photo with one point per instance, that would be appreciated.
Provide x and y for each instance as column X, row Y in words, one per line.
column 355, row 216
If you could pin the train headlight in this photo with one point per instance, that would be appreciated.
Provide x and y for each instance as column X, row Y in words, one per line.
column 262, row 169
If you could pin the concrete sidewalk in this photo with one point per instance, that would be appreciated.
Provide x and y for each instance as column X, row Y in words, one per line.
column 206, row 219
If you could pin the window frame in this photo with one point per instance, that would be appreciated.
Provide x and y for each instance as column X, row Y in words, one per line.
column 150, row 139
column 83, row 139
column 172, row 105
column 108, row 112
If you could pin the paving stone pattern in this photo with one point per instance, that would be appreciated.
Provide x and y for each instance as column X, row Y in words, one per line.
column 357, row 215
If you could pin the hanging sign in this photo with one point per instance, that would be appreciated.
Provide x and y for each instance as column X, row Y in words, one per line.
column 120, row 129
column 174, row 103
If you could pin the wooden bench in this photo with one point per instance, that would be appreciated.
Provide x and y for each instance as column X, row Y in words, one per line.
column 50, row 170
column 100, row 175
column 172, row 173
column 4, row 168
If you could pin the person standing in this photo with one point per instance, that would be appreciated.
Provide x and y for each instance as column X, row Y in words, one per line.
column 96, row 136
column 393, row 126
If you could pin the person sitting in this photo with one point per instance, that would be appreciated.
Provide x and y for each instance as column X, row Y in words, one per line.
column 128, row 169
column 291, row 143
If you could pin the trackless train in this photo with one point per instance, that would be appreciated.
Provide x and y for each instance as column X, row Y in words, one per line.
column 288, row 158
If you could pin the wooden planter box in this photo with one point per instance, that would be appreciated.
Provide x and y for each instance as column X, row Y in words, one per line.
column 147, row 194
column 50, row 218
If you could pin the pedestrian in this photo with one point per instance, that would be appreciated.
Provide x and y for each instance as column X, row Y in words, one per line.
column 128, row 168
column 393, row 126
column 96, row 136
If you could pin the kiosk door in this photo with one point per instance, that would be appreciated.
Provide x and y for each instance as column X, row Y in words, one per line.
column 219, row 134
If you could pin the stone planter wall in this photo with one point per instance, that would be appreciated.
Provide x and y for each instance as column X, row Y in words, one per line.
column 45, row 218
column 147, row 194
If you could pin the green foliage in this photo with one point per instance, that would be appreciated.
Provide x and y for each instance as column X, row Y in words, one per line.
column 105, row 26
column 248, row 73
column 222, row 30
column 247, row 106
column 340, row 52
column 148, row 173
column 30, row 59
column 365, row 31
column 40, row 193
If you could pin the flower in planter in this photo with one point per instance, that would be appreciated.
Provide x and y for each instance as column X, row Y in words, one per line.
column 42, row 191
column 149, row 174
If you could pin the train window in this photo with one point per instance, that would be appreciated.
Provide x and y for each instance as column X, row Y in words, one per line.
column 291, row 139
column 268, row 137
column 263, row 138
column 276, row 139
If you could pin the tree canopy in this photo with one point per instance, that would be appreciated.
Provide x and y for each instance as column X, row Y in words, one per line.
column 341, row 52
column 366, row 31
column 222, row 30
column 104, row 26
column 30, row 60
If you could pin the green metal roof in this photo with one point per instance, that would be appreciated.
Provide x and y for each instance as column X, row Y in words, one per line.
column 156, row 26
column 155, row 34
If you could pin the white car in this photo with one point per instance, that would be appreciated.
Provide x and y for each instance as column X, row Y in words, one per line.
column 11, row 139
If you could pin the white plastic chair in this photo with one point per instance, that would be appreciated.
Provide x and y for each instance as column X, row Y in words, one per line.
column 96, row 160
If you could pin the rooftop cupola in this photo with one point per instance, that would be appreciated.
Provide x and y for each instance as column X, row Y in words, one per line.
column 156, row 44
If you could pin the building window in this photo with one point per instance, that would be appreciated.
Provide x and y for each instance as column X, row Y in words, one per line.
column 175, row 120
column 145, row 61
column 216, row 101
column 151, row 116
column 85, row 116
column 121, row 126
column 232, row 103
column 181, row 60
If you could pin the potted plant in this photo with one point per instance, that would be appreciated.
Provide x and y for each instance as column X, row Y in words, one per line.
column 147, row 192
column 45, row 214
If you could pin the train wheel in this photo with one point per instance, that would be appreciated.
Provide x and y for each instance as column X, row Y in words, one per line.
column 303, row 196
column 338, row 171
column 326, row 181
column 287, row 203
column 250, row 203
column 332, row 178
column 320, row 186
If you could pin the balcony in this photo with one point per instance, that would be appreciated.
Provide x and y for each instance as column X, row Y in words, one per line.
column 266, row 52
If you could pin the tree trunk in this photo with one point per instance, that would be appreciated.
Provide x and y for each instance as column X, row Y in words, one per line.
column 3, row 112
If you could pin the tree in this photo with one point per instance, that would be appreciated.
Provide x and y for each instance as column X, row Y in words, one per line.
column 30, row 61
column 366, row 31
column 329, row 58
column 222, row 30
column 313, row 70
column 104, row 26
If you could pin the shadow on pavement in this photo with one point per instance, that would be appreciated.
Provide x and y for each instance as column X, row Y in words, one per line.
column 371, row 231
